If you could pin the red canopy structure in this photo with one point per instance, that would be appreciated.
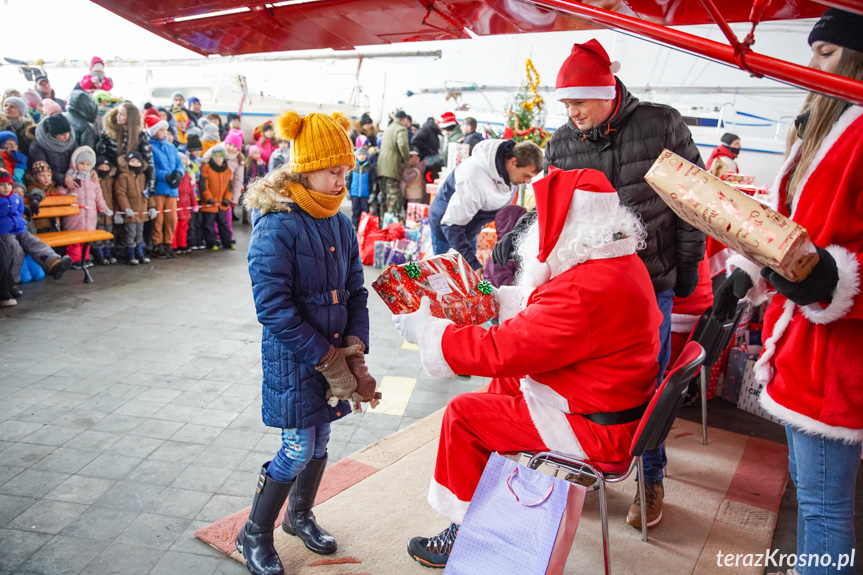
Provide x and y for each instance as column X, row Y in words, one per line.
column 233, row 27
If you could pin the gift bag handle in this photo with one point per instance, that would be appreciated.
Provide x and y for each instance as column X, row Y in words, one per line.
column 541, row 501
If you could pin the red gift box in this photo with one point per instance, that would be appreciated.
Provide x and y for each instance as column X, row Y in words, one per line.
column 453, row 288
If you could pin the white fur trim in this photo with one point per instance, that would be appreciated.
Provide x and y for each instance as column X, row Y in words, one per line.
column 718, row 262
column 512, row 300
column 846, row 290
column 763, row 369
column 615, row 67
column 548, row 411
column 586, row 93
column 588, row 207
column 620, row 248
column 761, row 289
column 444, row 502
column 431, row 352
column 683, row 323
column 848, row 117
column 807, row 424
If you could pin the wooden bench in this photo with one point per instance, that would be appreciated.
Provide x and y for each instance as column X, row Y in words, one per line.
column 69, row 237
column 57, row 207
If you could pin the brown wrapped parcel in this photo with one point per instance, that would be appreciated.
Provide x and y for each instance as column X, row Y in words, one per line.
column 740, row 222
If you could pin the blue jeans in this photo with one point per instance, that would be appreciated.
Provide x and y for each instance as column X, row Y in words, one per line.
column 654, row 459
column 441, row 246
column 824, row 472
column 299, row 446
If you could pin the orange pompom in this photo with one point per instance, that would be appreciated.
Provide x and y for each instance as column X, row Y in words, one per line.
column 342, row 120
column 288, row 125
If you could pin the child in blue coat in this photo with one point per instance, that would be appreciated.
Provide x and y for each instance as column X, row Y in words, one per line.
column 307, row 281
column 169, row 172
column 361, row 183
column 17, row 241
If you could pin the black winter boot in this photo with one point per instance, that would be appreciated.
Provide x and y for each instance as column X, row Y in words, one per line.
column 159, row 251
column 139, row 253
column 255, row 539
column 130, row 257
column 299, row 519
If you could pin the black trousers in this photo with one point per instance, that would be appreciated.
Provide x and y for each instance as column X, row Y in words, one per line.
column 221, row 220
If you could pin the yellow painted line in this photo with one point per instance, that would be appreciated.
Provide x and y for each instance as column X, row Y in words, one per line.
column 410, row 346
column 396, row 393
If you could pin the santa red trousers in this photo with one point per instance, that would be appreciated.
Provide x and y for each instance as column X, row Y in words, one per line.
column 474, row 425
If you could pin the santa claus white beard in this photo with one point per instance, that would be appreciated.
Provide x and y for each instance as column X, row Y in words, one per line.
column 577, row 243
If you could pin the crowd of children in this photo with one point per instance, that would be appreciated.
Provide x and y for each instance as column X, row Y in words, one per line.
column 164, row 180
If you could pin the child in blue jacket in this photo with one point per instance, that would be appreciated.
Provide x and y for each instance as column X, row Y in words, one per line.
column 361, row 183
column 17, row 241
column 307, row 281
column 169, row 172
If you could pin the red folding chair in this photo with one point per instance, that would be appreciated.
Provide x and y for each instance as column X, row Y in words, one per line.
column 651, row 433
column 714, row 336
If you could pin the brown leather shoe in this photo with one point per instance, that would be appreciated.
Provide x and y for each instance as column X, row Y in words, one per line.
column 653, row 494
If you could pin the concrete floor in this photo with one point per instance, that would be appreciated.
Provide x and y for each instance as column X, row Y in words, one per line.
column 130, row 415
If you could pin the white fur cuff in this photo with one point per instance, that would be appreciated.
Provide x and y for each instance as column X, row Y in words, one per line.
column 846, row 290
column 444, row 502
column 761, row 289
column 431, row 351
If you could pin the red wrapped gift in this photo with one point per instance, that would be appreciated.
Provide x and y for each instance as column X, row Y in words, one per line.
column 455, row 291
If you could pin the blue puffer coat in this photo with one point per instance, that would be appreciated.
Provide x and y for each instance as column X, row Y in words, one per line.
column 165, row 161
column 12, row 215
column 298, row 264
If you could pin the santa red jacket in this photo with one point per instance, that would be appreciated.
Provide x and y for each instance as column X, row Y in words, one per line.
column 585, row 342
column 812, row 361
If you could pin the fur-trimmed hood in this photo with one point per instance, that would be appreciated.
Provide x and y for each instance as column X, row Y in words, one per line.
column 109, row 124
column 267, row 198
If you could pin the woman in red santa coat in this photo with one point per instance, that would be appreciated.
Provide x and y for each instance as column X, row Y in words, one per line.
column 578, row 337
column 812, row 363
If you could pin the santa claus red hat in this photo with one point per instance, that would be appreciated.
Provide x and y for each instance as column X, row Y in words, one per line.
column 588, row 74
column 154, row 123
column 447, row 121
column 574, row 196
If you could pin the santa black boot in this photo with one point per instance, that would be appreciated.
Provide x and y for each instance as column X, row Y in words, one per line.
column 299, row 519
column 255, row 539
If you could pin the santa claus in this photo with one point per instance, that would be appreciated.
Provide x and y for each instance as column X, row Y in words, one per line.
column 574, row 358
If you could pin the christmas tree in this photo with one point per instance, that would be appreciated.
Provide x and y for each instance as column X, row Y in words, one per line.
column 526, row 114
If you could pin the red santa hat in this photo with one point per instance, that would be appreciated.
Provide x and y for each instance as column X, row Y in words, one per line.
column 588, row 74
column 447, row 121
column 583, row 196
column 154, row 123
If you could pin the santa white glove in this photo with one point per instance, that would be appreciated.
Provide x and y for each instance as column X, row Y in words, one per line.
column 410, row 324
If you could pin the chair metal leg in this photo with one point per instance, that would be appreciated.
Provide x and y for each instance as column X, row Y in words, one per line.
column 603, row 516
column 640, row 480
column 703, row 376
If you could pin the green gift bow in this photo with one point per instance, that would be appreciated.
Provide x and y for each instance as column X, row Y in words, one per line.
column 413, row 270
column 484, row 287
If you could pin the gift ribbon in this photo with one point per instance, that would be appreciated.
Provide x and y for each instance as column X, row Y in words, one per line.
column 412, row 270
column 541, row 501
column 484, row 287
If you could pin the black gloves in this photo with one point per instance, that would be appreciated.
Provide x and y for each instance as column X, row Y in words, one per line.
column 174, row 178
column 226, row 203
column 211, row 202
column 504, row 249
column 729, row 293
column 818, row 285
column 34, row 206
column 687, row 279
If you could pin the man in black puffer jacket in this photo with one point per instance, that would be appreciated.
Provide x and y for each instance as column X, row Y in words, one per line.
column 611, row 131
